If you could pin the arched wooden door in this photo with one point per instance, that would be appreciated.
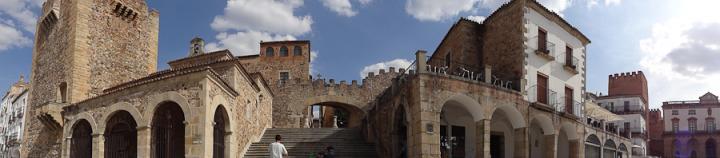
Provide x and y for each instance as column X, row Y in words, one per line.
column 121, row 136
column 220, row 119
column 168, row 131
column 81, row 142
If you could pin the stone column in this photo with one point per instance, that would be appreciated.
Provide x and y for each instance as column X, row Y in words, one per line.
column 430, row 134
column 420, row 61
column 574, row 146
column 98, row 148
column 550, row 150
column 522, row 146
column 144, row 147
column 482, row 137
column 66, row 145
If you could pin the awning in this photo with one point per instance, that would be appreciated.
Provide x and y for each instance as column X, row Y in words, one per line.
column 597, row 112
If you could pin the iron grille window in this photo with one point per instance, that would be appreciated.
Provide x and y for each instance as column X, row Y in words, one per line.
column 284, row 76
column 674, row 112
column 691, row 112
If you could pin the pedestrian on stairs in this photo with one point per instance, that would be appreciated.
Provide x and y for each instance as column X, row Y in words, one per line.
column 277, row 149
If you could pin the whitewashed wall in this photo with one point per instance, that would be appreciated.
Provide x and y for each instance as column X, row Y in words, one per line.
column 558, row 76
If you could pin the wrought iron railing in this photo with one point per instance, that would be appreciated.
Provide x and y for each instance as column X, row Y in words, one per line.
column 549, row 49
column 550, row 98
column 572, row 63
column 575, row 110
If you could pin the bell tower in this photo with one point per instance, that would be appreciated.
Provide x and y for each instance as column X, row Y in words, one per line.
column 81, row 48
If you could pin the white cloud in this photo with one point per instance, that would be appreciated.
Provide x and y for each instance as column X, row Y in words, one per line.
column 434, row 10
column 396, row 63
column 313, row 55
column 245, row 23
column 342, row 7
column 244, row 43
column 12, row 37
column 476, row 18
column 365, row 2
column 592, row 3
column 22, row 12
column 275, row 16
column 681, row 57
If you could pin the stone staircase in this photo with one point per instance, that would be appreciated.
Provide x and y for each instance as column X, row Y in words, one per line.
column 301, row 142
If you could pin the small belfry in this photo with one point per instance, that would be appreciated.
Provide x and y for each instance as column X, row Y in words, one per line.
column 197, row 45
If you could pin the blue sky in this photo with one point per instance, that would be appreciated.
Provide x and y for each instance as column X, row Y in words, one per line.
column 676, row 43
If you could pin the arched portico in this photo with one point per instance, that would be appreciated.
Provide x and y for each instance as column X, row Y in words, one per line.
column 593, row 147
column 508, row 133
column 542, row 137
column 567, row 142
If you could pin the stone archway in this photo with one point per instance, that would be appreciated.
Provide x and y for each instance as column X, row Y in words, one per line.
column 168, row 131
column 508, row 133
column 121, row 136
column 348, row 111
column 542, row 137
column 81, row 140
column 221, row 127
column 567, row 142
column 459, row 127
column 593, row 147
column 400, row 131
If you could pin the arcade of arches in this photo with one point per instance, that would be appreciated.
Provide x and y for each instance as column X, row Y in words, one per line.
column 122, row 137
column 694, row 147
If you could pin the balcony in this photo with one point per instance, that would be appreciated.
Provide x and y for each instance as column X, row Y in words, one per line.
column 543, row 98
column 571, row 64
column 575, row 111
column 548, row 52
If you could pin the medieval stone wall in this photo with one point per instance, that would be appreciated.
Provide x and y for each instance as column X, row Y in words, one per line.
column 503, row 41
column 463, row 44
column 291, row 101
column 88, row 45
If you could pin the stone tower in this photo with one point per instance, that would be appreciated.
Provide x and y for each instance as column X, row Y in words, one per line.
column 628, row 84
column 282, row 61
column 81, row 48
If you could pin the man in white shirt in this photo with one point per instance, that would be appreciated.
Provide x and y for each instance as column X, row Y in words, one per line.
column 277, row 149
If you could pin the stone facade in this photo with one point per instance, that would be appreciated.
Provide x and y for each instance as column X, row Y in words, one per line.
column 415, row 111
column 655, row 129
column 690, row 127
column 119, row 36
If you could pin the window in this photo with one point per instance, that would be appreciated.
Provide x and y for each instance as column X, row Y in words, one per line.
column 709, row 111
column 691, row 112
column 674, row 112
column 269, row 51
column 627, row 106
column 569, row 100
column 612, row 106
column 542, row 40
column 297, row 51
column 692, row 124
column 283, row 51
column 710, row 124
column 62, row 93
column 675, row 125
column 284, row 76
column 447, row 59
column 569, row 57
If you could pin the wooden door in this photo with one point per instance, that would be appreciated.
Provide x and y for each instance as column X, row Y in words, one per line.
column 569, row 100
column 542, row 89
column 542, row 40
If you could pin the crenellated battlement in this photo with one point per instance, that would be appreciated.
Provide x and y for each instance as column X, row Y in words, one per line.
column 634, row 74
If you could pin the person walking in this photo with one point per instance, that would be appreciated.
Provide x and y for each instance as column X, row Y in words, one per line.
column 277, row 149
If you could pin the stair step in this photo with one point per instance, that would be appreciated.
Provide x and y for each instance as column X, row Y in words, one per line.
column 301, row 142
